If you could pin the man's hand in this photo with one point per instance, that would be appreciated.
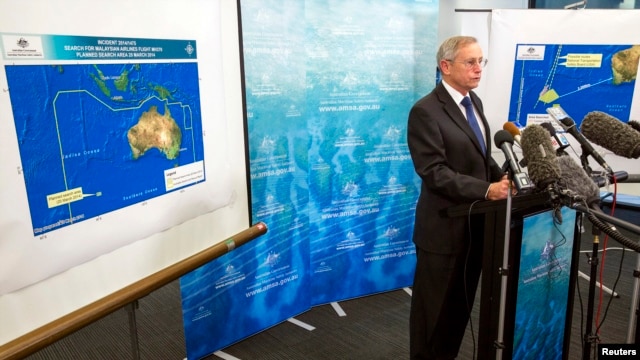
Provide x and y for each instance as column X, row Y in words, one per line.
column 500, row 190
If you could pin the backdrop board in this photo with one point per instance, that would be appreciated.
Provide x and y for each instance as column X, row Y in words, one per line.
column 267, row 281
column 118, row 156
column 328, row 88
column 370, row 61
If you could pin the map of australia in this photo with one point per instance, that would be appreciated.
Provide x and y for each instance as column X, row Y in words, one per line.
column 97, row 138
column 579, row 78
column 155, row 131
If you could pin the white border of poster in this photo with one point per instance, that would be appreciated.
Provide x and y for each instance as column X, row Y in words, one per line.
column 221, row 212
column 31, row 252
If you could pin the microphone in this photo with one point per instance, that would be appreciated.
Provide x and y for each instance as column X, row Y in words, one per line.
column 543, row 164
column 514, row 131
column 576, row 180
column 604, row 180
column 570, row 126
column 558, row 141
column 612, row 134
column 504, row 141
column 541, row 158
column 581, row 189
column 634, row 124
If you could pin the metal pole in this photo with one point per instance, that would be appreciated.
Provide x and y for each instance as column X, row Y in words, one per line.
column 133, row 330
column 504, row 271
column 632, row 330
column 591, row 339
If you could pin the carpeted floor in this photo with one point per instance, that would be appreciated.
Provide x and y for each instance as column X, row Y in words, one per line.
column 375, row 327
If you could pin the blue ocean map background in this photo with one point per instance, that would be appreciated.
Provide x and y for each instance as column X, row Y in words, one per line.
column 362, row 76
column 328, row 88
column 579, row 78
column 72, row 123
column 546, row 258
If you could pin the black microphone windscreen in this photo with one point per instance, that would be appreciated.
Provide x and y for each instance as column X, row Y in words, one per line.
column 549, row 128
column 635, row 125
column 574, row 178
column 611, row 134
column 501, row 137
column 541, row 159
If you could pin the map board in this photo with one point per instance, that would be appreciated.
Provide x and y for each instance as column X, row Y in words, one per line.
column 105, row 140
column 582, row 61
column 141, row 214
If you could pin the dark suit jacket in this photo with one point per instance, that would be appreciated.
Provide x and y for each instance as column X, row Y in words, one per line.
column 448, row 158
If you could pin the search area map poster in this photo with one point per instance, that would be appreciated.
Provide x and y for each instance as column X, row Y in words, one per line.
column 107, row 143
column 131, row 124
column 545, row 75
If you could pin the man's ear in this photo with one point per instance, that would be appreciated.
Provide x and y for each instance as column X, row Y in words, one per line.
column 444, row 67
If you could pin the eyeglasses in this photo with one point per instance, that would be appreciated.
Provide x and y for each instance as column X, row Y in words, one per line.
column 471, row 63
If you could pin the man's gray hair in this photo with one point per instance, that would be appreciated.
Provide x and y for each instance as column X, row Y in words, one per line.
column 449, row 48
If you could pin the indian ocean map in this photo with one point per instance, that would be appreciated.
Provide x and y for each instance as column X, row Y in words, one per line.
column 97, row 138
column 580, row 78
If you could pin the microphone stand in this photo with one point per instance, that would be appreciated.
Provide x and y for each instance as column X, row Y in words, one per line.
column 635, row 308
column 584, row 160
column 590, row 339
column 504, row 270
column 633, row 328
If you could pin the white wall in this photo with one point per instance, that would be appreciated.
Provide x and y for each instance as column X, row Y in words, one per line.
column 451, row 12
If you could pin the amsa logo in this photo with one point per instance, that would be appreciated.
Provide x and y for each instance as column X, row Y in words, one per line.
column 530, row 52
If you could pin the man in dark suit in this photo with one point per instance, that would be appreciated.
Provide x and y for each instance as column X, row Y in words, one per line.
column 456, row 167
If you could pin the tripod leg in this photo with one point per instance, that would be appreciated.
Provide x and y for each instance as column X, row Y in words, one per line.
column 635, row 308
column 590, row 339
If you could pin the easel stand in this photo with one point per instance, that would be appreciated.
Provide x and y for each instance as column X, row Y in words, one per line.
column 133, row 329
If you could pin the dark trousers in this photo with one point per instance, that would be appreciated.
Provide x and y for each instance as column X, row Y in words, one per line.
column 444, row 288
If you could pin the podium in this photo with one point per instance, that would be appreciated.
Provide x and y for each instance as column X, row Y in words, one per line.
column 539, row 281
